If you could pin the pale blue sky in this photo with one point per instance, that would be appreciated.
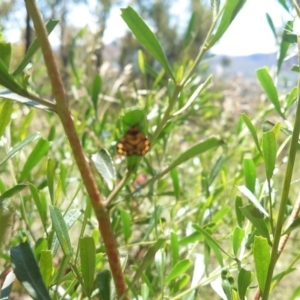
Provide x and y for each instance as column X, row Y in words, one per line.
column 248, row 34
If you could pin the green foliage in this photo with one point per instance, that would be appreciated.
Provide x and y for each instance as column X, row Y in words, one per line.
column 190, row 217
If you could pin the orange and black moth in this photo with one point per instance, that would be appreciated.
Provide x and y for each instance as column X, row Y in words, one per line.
column 134, row 142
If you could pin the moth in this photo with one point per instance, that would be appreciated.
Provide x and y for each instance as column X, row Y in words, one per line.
column 134, row 142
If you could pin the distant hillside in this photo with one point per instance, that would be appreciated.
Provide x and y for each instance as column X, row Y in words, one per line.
column 246, row 65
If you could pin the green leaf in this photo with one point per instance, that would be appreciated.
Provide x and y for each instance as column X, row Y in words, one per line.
column 126, row 222
column 270, row 151
column 19, row 146
column 50, row 176
column 27, row 271
column 285, row 44
column 194, row 96
column 69, row 219
column 96, row 89
column 237, row 239
column 174, row 247
column 291, row 97
column 230, row 10
column 215, row 170
column 104, row 165
column 199, row 148
column 103, row 282
column 190, row 153
column 146, row 37
column 46, row 266
column 33, row 48
column 239, row 216
column 40, row 203
column 271, row 25
column 244, row 280
column 60, row 229
column 211, row 242
column 88, row 262
column 145, row 291
column 228, row 285
column 9, row 82
column 5, row 221
column 178, row 269
column 191, row 238
column 141, row 61
column 257, row 219
column 6, row 110
column 11, row 192
column 175, row 182
column 252, row 131
column 244, row 190
column 134, row 116
column 7, row 94
column 189, row 31
column 39, row 151
column 293, row 226
column 249, row 174
column 267, row 83
column 5, row 50
column 262, row 256
column 148, row 259
column 40, row 245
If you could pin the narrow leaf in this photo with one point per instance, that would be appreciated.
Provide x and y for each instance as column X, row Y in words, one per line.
column 249, row 174
column 126, row 222
column 11, row 192
column 103, row 282
column 244, row 190
column 19, row 147
column 194, row 96
column 146, row 37
column 27, row 271
column 60, row 229
column 46, row 266
column 244, row 280
column 104, row 165
column 199, row 148
column 25, row 99
column 261, row 254
column 5, row 50
column 267, row 83
column 5, row 114
column 211, row 242
column 148, row 259
column 239, row 215
column 252, row 131
column 178, row 269
column 269, row 151
column 174, row 247
column 271, row 25
column 40, row 203
column 257, row 219
column 35, row 156
column 237, row 239
column 50, row 25
column 50, row 177
column 97, row 84
column 69, row 219
column 285, row 44
column 88, row 263
column 175, row 182
column 230, row 10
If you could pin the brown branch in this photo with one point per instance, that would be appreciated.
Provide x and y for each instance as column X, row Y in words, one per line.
column 284, row 238
column 62, row 110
